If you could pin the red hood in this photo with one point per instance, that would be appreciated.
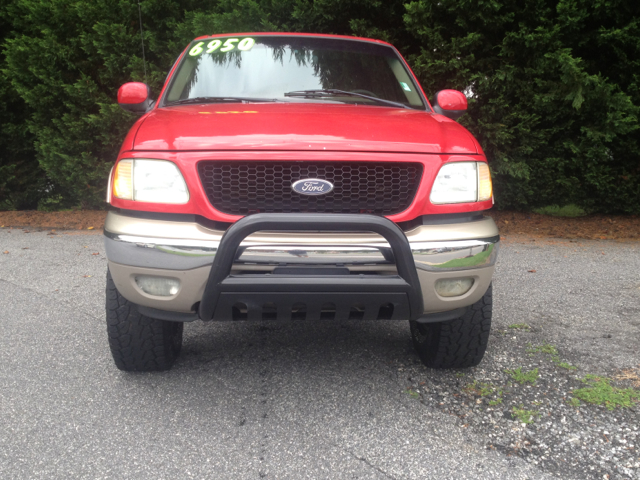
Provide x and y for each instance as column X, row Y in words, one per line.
column 301, row 126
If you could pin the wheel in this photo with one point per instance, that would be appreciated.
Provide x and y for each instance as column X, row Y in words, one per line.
column 139, row 343
column 456, row 343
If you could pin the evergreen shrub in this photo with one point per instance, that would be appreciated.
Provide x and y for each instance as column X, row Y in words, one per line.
column 553, row 86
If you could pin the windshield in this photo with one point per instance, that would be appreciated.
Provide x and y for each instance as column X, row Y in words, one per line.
column 291, row 68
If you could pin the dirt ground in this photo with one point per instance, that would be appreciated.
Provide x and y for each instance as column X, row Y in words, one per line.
column 595, row 227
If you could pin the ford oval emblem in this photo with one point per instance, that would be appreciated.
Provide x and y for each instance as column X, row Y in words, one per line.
column 312, row 186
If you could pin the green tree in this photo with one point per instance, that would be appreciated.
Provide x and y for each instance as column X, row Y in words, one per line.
column 553, row 84
column 22, row 181
column 554, row 93
column 66, row 61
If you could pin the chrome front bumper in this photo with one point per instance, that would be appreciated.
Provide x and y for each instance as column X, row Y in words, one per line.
column 131, row 241
column 186, row 250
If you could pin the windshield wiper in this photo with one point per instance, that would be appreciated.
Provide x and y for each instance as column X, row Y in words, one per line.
column 332, row 92
column 186, row 101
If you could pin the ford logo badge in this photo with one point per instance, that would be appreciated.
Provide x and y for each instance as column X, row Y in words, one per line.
column 312, row 186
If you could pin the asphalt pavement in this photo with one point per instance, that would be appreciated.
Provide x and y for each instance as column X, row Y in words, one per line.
column 273, row 400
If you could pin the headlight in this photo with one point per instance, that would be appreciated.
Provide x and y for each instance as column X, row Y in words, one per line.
column 157, row 181
column 462, row 182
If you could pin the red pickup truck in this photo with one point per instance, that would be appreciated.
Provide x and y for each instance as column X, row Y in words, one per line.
column 297, row 177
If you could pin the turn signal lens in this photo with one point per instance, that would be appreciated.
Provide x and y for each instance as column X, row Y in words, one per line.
column 485, row 189
column 123, row 180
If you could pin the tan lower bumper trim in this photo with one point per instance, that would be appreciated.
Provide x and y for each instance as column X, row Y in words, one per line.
column 193, row 282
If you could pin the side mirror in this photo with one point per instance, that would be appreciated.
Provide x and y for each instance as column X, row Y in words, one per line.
column 450, row 103
column 135, row 97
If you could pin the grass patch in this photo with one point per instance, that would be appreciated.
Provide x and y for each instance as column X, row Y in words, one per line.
column 570, row 210
column 520, row 326
column 521, row 377
column 574, row 402
column 479, row 388
column 600, row 392
column 566, row 365
column 545, row 348
column 548, row 349
column 413, row 394
column 524, row 416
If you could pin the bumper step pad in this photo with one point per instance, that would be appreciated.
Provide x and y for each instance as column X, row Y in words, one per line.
column 314, row 307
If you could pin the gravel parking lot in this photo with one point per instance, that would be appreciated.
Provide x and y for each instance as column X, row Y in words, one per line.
column 329, row 400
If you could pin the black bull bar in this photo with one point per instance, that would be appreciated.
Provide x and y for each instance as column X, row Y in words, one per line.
column 374, row 293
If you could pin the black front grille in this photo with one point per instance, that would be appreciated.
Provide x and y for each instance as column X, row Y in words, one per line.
column 242, row 188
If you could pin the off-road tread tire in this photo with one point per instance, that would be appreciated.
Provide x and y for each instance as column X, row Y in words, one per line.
column 139, row 343
column 458, row 343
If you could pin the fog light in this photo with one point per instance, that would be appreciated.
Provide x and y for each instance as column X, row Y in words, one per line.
column 453, row 287
column 159, row 286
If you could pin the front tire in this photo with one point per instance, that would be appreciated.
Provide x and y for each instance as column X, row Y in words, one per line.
column 139, row 343
column 458, row 343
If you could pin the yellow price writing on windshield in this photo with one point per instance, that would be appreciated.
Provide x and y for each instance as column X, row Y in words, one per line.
column 228, row 45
